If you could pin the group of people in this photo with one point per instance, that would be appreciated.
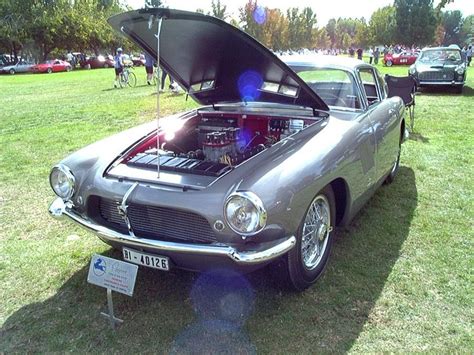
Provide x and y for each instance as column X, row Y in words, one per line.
column 150, row 64
column 374, row 54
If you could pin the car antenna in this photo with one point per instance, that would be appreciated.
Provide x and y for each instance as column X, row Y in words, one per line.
column 150, row 23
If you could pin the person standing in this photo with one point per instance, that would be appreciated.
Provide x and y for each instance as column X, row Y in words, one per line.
column 118, row 65
column 359, row 53
column 469, row 55
column 371, row 55
column 376, row 56
column 164, row 74
column 149, row 62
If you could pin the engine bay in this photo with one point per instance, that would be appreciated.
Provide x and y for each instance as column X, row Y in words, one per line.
column 211, row 143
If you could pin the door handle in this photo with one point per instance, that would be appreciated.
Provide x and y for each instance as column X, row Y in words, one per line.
column 391, row 111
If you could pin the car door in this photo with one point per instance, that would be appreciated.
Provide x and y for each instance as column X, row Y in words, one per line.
column 384, row 119
column 58, row 66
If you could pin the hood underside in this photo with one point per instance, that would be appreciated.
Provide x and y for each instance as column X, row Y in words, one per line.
column 213, row 60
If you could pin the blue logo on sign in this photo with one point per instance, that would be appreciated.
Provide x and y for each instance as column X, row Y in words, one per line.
column 99, row 267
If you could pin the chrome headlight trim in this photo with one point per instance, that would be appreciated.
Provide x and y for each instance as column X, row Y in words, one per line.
column 257, row 204
column 460, row 70
column 71, row 181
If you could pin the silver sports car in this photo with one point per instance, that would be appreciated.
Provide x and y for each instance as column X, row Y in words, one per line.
column 281, row 152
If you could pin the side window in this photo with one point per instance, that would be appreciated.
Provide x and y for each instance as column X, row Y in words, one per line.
column 369, row 81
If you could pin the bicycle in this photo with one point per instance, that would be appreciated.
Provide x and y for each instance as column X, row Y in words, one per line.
column 128, row 77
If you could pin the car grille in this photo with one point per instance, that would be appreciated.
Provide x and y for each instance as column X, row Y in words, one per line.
column 158, row 223
column 436, row 75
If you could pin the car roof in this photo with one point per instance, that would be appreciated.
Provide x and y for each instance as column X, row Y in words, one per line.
column 325, row 61
column 440, row 48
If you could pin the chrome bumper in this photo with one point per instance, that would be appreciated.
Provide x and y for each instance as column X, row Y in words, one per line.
column 58, row 209
column 444, row 83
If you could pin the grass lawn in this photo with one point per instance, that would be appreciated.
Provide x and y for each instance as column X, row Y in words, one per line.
column 400, row 277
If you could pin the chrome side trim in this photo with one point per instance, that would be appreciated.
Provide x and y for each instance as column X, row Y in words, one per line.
column 58, row 209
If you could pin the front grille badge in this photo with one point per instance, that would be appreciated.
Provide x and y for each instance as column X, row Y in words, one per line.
column 123, row 209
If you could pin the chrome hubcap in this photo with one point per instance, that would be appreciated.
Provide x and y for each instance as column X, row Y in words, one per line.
column 316, row 229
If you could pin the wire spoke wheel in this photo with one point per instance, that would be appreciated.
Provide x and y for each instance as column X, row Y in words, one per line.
column 314, row 238
column 132, row 80
column 316, row 229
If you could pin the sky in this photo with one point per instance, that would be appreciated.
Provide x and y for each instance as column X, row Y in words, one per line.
column 324, row 9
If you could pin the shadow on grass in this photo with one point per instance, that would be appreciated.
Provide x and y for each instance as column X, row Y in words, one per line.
column 162, row 313
column 445, row 91
column 418, row 137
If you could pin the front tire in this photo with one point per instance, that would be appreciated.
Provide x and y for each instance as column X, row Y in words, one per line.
column 132, row 80
column 388, row 63
column 12, row 71
column 308, row 259
column 49, row 70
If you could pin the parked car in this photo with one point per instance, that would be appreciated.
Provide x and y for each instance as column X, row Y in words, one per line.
column 440, row 66
column 402, row 58
column 21, row 67
column 277, row 157
column 51, row 66
column 100, row 62
column 138, row 60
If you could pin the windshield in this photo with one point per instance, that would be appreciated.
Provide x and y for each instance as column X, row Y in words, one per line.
column 335, row 86
column 440, row 56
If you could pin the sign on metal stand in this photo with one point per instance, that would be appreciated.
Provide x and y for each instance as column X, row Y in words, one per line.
column 114, row 275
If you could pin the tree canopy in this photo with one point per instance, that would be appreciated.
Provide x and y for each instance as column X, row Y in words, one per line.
column 43, row 28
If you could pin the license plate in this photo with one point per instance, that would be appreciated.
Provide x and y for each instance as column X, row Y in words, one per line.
column 149, row 260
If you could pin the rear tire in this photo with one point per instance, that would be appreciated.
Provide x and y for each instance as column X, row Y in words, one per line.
column 308, row 259
column 12, row 71
column 49, row 70
column 396, row 166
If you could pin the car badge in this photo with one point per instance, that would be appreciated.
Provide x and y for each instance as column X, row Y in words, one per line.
column 122, row 209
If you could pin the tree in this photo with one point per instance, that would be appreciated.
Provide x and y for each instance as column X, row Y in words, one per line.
column 416, row 22
column 218, row 10
column 296, row 29
column 382, row 26
column 309, row 21
column 247, row 19
column 153, row 3
column 331, row 31
column 467, row 30
column 452, row 22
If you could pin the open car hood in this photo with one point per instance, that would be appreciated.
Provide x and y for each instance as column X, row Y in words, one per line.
column 213, row 60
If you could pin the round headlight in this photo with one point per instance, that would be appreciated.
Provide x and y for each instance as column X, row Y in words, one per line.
column 62, row 181
column 460, row 70
column 244, row 213
column 412, row 70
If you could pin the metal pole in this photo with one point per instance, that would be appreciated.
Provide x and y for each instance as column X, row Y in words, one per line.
column 158, row 95
column 110, row 304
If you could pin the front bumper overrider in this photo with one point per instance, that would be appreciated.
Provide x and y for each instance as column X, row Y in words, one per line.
column 254, row 255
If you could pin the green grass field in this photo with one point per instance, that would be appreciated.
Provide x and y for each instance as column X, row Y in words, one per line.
column 400, row 276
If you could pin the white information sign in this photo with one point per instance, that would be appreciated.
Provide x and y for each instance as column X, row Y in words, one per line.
column 115, row 275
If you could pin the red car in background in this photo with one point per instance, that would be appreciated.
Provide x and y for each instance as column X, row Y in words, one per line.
column 51, row 66
column 402, row 58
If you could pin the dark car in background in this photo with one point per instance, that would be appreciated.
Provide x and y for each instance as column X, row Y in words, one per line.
column 99, row 62
column 440, row 66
